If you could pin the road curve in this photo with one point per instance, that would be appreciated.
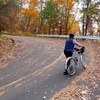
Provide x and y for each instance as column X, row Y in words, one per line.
column 35, row 70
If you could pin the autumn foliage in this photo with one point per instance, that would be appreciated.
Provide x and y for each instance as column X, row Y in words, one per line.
column 43, row 17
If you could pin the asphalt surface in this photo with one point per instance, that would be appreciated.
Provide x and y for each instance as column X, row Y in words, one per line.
column 35, row 72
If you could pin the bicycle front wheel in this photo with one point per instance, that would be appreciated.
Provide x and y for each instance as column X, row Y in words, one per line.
column 71, row 66
column 83, row 63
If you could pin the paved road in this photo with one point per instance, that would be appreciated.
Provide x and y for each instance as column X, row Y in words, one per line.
column 35, row 72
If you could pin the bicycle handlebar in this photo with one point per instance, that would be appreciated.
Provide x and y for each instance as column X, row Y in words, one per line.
column 81, row 50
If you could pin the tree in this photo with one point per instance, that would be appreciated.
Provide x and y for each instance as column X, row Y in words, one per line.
column 57, row 14
column 90, row 11
column 50, row 14
column 66, row 17
column 40, row 7
column 29, row 16
column 7, row 13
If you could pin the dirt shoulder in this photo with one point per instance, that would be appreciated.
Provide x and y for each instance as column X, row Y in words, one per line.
column 87, row 85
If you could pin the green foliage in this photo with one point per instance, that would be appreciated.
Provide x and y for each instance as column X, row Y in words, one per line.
column 87, row 1
column 91, row 8
column 7, row 13
column 3, row 39
column 6, row 5
column 50, row 11
column 54, row 16
column 90, row 12
column 9, row 32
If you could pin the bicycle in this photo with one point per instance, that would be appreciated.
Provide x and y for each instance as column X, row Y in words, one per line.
column 71, row 63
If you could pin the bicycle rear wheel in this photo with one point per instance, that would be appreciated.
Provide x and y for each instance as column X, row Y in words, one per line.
column 71, row 66
column 83, row 63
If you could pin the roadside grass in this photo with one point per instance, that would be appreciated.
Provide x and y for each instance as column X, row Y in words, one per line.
column 4, row 44
column 19, row 33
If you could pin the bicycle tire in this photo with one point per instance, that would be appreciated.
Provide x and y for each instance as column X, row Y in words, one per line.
column 83, row 63
column 71, row 67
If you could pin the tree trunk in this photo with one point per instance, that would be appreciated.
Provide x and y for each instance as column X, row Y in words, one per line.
column 60, row 30
column 87, row 23
column 83, row 27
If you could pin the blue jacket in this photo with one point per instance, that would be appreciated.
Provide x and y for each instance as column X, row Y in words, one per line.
column 69, row 45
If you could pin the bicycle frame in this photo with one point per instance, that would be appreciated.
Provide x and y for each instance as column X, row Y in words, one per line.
column 77, row 59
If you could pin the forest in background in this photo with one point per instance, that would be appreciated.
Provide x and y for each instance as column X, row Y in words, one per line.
column 31, row 17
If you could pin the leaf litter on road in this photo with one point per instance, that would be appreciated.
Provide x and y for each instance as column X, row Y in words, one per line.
column 91, row 76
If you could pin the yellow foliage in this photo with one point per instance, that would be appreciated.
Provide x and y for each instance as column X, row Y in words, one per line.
column 74, row 28
column 4, row 2
column 70, row 4
column 30, row 12
column 33, row 2
column 20, row 33
column 98, row 29
column 31, row 24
